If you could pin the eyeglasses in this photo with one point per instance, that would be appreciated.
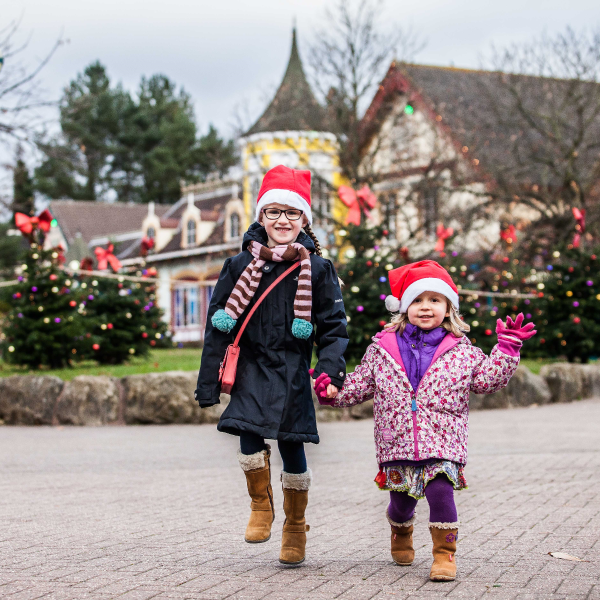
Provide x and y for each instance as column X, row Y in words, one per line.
column 292, row 214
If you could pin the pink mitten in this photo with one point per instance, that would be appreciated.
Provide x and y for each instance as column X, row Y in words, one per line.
column 511, row 335
column 323, row 380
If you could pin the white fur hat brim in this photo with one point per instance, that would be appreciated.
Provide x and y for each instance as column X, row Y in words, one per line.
column 287, row 198
column 427, row 284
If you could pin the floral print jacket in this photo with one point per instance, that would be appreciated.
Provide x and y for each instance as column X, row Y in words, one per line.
column 433, row 421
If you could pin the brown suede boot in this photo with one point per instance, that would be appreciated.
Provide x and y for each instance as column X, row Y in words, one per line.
column 444, row 551
column 403, row 552
column 295, row 499
column 257, row 469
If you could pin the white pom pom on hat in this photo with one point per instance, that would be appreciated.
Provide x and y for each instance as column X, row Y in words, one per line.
column 409, row 281
column 392, row 304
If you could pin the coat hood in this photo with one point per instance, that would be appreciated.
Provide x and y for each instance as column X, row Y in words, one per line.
column 257, row 233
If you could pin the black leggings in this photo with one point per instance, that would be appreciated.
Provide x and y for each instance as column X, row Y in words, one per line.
column 292, row 453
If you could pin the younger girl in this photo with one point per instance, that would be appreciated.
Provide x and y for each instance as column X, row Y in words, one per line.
column 271, row 397
column 420, row 371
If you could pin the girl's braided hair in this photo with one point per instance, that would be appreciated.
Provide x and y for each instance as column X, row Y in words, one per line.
column 311, row 234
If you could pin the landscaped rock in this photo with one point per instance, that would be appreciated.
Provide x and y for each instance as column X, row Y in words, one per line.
column 29, row 399
column 524, row 389
column 157, row 398
column 565, row 381
column 590, row 384
column 89, row 400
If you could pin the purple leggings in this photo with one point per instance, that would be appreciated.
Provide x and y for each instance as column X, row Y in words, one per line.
column 440, row 496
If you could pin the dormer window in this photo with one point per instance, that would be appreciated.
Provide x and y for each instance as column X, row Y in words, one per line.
column 234, row 226
column 191, row 232
column 151, row 233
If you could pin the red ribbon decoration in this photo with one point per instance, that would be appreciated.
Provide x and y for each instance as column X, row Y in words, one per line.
column 147, row 245
column 442, row 235
column 106, row 256
column 86, row 264
column 27, row 224
column 509, row 235
column 363, row 200
column 580, row 227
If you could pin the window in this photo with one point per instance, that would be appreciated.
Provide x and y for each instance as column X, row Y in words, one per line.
column 234, row 226
column 320, row 203
column 151, row 233
column 255, row 190
column 430, row 211
column 185, row 303
column 191, row 232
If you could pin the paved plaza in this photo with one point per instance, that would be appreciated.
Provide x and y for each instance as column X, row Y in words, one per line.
column 159, row 512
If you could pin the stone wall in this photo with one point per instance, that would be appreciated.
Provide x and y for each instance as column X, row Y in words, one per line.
column 161, row 398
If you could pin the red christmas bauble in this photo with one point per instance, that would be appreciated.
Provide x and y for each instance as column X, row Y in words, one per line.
column 488, row 332
column 576, row 320
column 73, row 303
column 381, row 323
column 96, row 346
column 571, row 269
column 542, row 341
column 153, row 342
column 52, row 277
column 385, row 232
column 505, row 259
column 144, row 335
column 540, row 294
column 369, row 263
column 110, row 325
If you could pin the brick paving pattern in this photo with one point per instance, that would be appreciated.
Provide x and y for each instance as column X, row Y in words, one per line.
column 159, row 512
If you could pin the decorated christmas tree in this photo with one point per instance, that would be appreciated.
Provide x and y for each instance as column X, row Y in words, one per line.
column 43, row 326
column 368, row 258
column 566, row 310
column 121, row 316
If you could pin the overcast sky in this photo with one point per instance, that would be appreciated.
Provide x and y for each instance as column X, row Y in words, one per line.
column 225, row 51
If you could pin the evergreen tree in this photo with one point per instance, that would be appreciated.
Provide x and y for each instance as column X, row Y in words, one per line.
column 42, row 327
column 368, row 260
column 23, row 200
column 88, row 123
column 122, row 319
column 566, row 310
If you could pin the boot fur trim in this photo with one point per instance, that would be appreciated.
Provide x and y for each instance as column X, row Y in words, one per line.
column 250, row 462
column 408, row 523
column 297, row 481
column 444, row 525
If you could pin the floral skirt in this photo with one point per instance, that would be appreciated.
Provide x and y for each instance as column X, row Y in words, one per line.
column 413, row 480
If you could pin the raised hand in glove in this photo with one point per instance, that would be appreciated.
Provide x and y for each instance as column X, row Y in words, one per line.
column 512, row 334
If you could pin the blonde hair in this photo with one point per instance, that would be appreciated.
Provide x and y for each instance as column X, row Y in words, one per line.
column 454, row 324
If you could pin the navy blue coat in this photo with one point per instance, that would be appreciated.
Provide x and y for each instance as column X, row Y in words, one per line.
column 272, row 392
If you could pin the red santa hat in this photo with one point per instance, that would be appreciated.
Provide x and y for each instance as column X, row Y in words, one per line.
column 409, row 281
column 283, row 185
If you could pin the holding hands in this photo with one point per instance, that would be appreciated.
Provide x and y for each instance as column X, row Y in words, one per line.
column 512, row 334
column 325, row 390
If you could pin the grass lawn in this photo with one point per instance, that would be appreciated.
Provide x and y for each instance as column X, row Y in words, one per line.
column 172, row 359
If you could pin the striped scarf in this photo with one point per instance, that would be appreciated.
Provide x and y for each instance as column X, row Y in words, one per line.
column 249, row 280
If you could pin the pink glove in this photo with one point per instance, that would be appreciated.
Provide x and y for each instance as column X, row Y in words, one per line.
column 323, row 380
column 511, row 335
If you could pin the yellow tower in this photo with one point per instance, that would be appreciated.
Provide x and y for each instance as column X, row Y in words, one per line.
column 293, row 131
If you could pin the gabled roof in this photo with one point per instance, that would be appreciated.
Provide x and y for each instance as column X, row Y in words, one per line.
column 99, row 219
column 475, row 110
column 294, row 107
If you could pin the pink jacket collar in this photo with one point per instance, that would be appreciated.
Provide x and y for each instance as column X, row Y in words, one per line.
column 387, row 340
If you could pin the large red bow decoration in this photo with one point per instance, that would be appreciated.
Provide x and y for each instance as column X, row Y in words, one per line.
column 363, row 200
column 147, row 245
column 27, row 224
column 509, row 235
column 580, row 227
column 442, row 234
column 106, row 257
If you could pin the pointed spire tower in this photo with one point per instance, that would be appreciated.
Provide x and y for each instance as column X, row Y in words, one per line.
column 294, row 107
column 292, row 131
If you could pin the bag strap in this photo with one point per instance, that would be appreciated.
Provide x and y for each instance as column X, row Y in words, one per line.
column 264, row 294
